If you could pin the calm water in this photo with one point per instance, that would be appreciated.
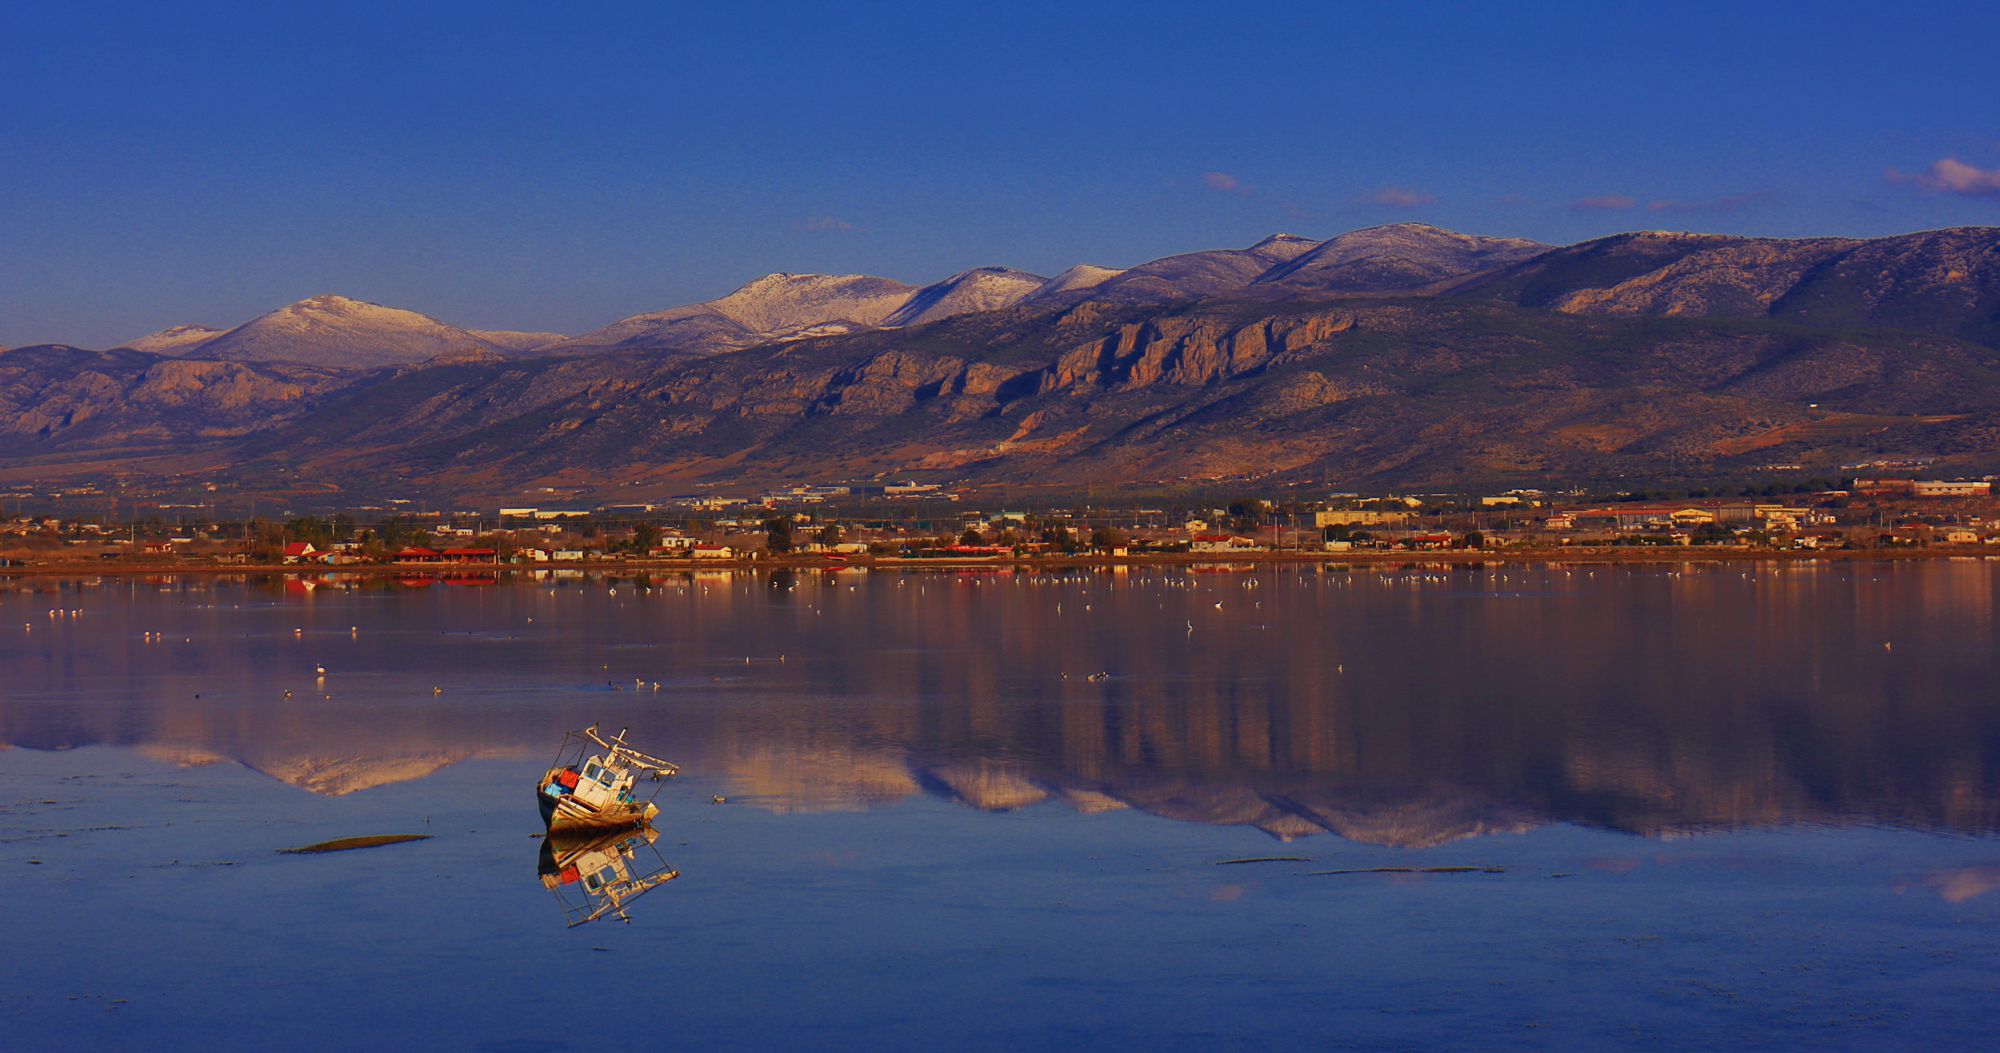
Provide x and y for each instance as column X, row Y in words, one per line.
column 1705, row 807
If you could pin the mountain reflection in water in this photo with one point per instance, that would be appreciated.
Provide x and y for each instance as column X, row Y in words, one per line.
column 1406, row 706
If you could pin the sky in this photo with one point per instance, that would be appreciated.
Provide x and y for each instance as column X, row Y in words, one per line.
column 522, row 167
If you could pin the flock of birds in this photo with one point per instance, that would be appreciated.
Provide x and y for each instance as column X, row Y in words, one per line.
column 1503, row 581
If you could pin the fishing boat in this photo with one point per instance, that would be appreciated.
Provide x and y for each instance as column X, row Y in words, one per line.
column 593, row 784
column 599, row 873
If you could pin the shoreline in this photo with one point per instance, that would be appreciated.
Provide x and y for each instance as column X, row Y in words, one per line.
column 1592, row 554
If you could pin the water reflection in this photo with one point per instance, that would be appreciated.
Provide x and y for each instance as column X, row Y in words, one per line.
column 1409, row 705
column 601, row 875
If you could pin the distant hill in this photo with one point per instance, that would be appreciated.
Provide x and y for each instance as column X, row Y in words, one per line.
column 1201, row 274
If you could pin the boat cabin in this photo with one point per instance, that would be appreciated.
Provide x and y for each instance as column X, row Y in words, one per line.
column 596, row 785
column 587, row 789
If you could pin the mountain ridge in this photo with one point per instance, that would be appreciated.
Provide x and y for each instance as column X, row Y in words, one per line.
column 1394, row 356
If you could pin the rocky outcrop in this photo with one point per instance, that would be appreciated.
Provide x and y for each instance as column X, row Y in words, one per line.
column 886, row 384
column 1190, row 351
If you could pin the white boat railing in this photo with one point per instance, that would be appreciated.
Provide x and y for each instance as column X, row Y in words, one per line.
column 620, row 752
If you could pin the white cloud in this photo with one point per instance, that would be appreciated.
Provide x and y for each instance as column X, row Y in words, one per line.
column 1951, row 176
column 1224, row 183
column 1401, row 197
column 1729, row 203
column 1605, row 203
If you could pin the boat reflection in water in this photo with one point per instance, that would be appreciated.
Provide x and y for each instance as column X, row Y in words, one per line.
column 595, row 874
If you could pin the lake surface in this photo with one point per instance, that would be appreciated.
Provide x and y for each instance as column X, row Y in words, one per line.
column 1689, row 807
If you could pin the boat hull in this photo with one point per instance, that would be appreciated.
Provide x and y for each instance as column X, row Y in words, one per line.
column 568, row 813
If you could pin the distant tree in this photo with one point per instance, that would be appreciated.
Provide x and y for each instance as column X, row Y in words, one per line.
column 309, row 528
column 1106, row 538
column 829, row 534
column 971, row 537
column 1249, row 512
column 1338, row 532
column 395, row 533
column 646, row 537
column 778, row 533
column 1475, row 539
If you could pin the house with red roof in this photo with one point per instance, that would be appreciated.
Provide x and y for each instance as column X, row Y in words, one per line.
column 1223, row 543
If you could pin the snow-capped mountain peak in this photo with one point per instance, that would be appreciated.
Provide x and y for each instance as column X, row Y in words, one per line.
column 341, row 332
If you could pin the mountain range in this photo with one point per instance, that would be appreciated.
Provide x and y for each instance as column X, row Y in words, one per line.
column 1398, row 356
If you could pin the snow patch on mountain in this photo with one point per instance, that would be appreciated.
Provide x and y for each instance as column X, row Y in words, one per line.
column 766, row 309
column 967, row 292
column 176, row 340
column 777, row 302
column 1283, row 246
column 1077, row 278
column 1397, row 257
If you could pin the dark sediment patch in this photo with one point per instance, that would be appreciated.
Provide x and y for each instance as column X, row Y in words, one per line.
column 348, row 843
column 1411, row 870
column 1262, row 859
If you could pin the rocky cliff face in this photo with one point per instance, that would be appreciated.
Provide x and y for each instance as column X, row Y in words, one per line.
column 1190, row 351
column 64, row 398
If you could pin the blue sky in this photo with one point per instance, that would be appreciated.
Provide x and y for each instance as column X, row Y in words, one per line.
column 519, row 166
